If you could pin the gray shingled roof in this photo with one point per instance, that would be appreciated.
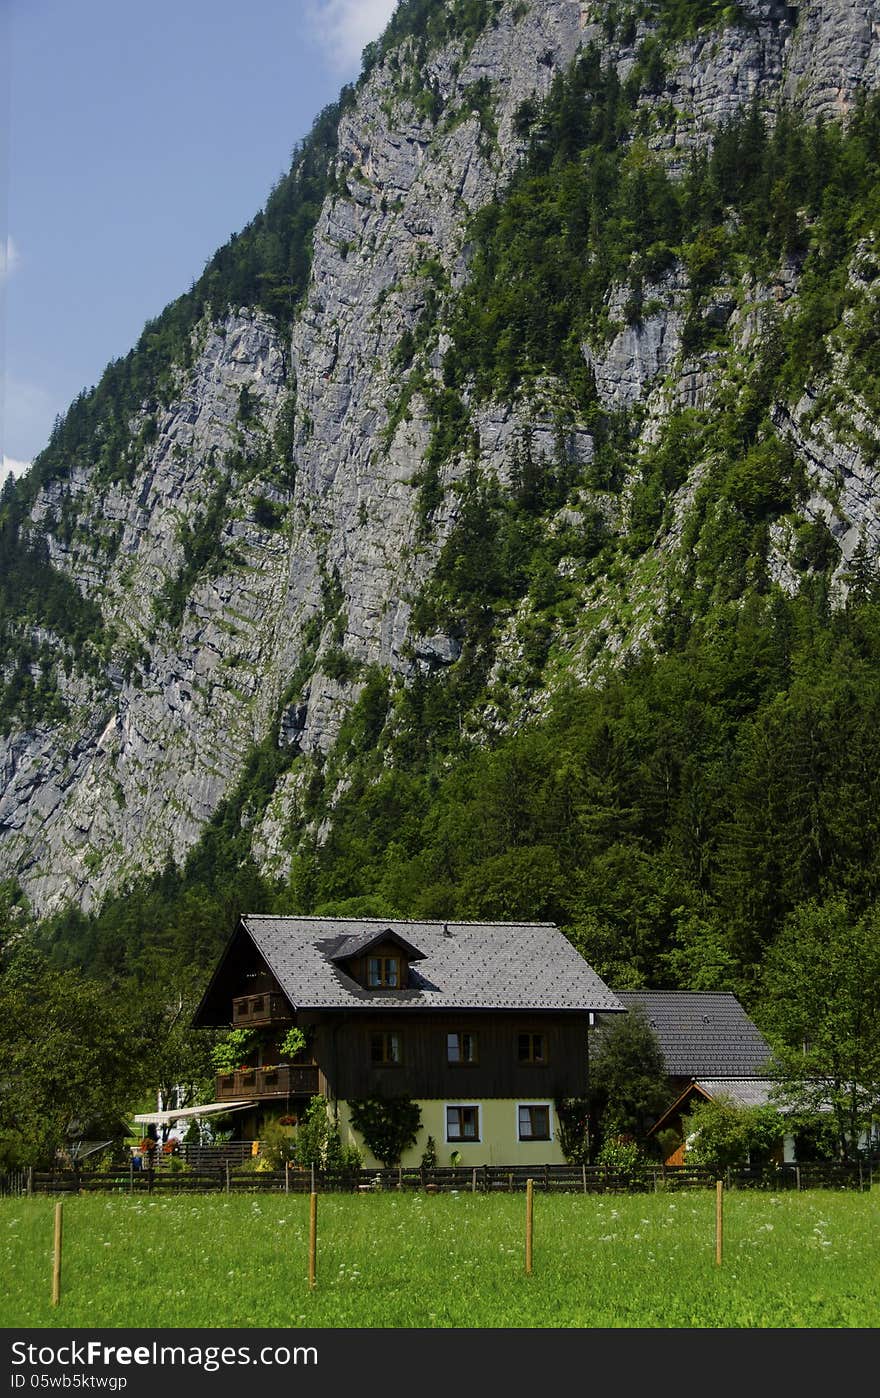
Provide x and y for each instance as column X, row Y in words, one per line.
column 703, row 1034
column 748, row 1092
column 359, row 941
column 480, row 966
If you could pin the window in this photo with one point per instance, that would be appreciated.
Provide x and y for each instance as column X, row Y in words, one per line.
column 461, row 1048
column 533, row 1122
column 531, row 1048
column 383, row 971
column 385, row 1048
column 463, row 1123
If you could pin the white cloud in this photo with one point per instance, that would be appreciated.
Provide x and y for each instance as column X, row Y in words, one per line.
column 17, row 468
column 9, row 259
column 343, row 28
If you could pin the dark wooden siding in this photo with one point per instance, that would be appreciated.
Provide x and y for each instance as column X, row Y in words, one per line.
column 342, row 1048
column 242, row 972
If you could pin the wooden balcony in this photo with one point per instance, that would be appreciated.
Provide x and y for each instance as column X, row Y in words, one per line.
column 295, row 1080
column 268, row 1008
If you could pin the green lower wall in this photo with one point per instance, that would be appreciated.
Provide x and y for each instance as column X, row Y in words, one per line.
column 498, row 1131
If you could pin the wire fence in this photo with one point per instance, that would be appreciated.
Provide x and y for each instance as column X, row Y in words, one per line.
column 231, row 1177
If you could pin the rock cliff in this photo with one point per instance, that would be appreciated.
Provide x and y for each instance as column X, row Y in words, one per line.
column 271, row 534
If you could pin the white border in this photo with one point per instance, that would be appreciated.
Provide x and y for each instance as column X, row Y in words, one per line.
column 463, row 1140
column 532, row 1140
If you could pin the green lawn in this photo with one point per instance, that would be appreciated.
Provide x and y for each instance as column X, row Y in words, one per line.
column 446, row 1261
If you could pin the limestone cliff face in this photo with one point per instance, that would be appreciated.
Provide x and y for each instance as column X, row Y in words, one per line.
column 314, row 568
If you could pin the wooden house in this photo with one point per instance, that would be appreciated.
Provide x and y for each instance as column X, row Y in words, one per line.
column 710, row 1048
column 484, row 1025
column 702, row 1034
column 744, row 1092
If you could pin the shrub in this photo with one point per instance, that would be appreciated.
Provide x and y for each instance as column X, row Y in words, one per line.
column 622, row 1155
column 721, row 1133
column 573, row 1114
column 387, row 1124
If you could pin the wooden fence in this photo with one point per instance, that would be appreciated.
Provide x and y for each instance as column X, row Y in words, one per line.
column 484, row 1179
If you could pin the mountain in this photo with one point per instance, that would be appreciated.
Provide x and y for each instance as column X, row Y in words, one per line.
column 492, row 528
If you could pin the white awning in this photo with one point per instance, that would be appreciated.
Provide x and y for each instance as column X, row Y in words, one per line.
column 206, row 1109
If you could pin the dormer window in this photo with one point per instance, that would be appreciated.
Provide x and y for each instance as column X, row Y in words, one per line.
column 377, row 958
column 383, row 972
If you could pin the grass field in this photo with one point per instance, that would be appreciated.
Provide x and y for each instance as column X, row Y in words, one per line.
column 407, row 1260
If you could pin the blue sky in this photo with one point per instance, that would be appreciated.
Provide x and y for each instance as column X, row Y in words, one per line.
column 134, row 139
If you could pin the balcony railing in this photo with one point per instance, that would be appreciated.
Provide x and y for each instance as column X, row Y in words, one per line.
column 295, row 1080
column 268, row 1008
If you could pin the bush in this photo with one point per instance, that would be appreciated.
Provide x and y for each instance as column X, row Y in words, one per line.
column 721, row 1133
column 317, row 1142
column 277, row 1147
column 623, row 1156
column 387, row 1124
column 573, row 1114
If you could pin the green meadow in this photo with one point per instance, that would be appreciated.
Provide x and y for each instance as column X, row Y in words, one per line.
column 404, row 1260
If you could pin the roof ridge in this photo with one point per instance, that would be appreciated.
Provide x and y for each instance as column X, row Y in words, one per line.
column 386, row 921
column 691, row 993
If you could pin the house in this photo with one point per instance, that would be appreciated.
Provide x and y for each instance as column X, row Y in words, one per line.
column 744, row 1092
column 484, row 1025
column 710, row 1048
column 702, row 1034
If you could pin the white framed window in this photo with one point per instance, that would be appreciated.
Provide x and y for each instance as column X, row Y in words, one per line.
column 462, row 1122
column 534, row 1121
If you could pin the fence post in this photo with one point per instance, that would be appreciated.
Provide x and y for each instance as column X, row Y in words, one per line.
column 30, row 1180
column 474, row 1180
column 529, row 1225
column 56, row 1257
column 287, row 1177
column 227, row 1176
column 313, row 1239
column 719, row 1220
column 584, row 1176
column 797, row 1178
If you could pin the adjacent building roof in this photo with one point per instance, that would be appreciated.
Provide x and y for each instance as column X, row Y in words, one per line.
column 464, row 965
column 746, row 1092
column 703, row 1034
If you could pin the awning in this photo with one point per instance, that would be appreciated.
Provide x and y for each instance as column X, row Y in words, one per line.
column 206, row 1109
